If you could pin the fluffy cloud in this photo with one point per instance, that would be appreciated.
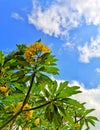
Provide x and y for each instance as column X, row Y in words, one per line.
column 68, row 45
column 17, row 16
column 97, row 70
column 63, row 15
column 92, row 98
column 89, row 51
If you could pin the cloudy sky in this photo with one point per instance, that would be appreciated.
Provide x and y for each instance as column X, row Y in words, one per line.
column 71, row 28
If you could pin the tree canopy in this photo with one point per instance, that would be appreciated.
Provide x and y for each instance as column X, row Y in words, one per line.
column 31, row 100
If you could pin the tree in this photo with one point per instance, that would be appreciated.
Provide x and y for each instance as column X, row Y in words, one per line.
column 31, row 100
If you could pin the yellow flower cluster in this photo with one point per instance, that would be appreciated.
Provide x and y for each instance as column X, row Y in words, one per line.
column 18, row 107
column 34, row 49
column 3, row 89
column 28, row 114
column 37, row 122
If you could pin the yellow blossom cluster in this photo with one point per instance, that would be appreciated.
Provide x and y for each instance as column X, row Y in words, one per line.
column 3, row 89
column 37, row 122
column 28, row 114
column 18, row 107
column 34, row 49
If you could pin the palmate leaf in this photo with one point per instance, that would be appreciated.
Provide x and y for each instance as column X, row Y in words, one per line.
column 92, row 118
column 1, row 58
column 89, row 111
column 51, row 70
column 91, row 121
column 53, row 88
column 48, row 64
column 61, row 87
column 43, row 79
column 13, row 98
column 72, row 102
column 69, row 91
column 49, row 113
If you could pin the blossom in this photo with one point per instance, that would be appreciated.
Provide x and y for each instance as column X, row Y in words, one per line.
column 18, row 107
column 34, row 49
column 3, row 89
column 28, row 114
column 37, row 122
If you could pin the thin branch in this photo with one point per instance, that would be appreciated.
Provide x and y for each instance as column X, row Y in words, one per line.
column 75, row 117
column 37, row 107
column 80, row 119
column 27, row 95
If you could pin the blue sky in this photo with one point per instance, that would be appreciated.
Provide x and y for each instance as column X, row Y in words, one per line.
column 70, row 28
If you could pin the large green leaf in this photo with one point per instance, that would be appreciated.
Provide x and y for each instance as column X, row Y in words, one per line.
column 62, row 87
column 69, row 91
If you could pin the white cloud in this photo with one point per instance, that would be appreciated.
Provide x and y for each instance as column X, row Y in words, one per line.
column 92, row 98
column 97, row 70
column 68, row 45
column 17, row 16
column 63, row 15
column 89, row 51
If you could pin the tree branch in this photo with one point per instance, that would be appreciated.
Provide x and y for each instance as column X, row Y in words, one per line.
column 37, row 107
column 27, row 95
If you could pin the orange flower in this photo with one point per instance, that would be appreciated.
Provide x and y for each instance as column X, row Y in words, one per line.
column 29, row 114
column 18, row 107
column 37, row 122
column 34, row 49
column 3, row 89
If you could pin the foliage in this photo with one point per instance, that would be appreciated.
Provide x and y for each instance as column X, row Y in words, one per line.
column 30, row 99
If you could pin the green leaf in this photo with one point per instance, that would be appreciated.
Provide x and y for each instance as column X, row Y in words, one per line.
column 53, row 87
column 69, row 91
column 57, row 117
column 93, row 118
column 39, row 40
column 73, row 102
column 18, row 86
column 51, row 70
column 1, row 58
column 49, row 113
column 62, row 87
column 89, row 111
column 91, row 121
